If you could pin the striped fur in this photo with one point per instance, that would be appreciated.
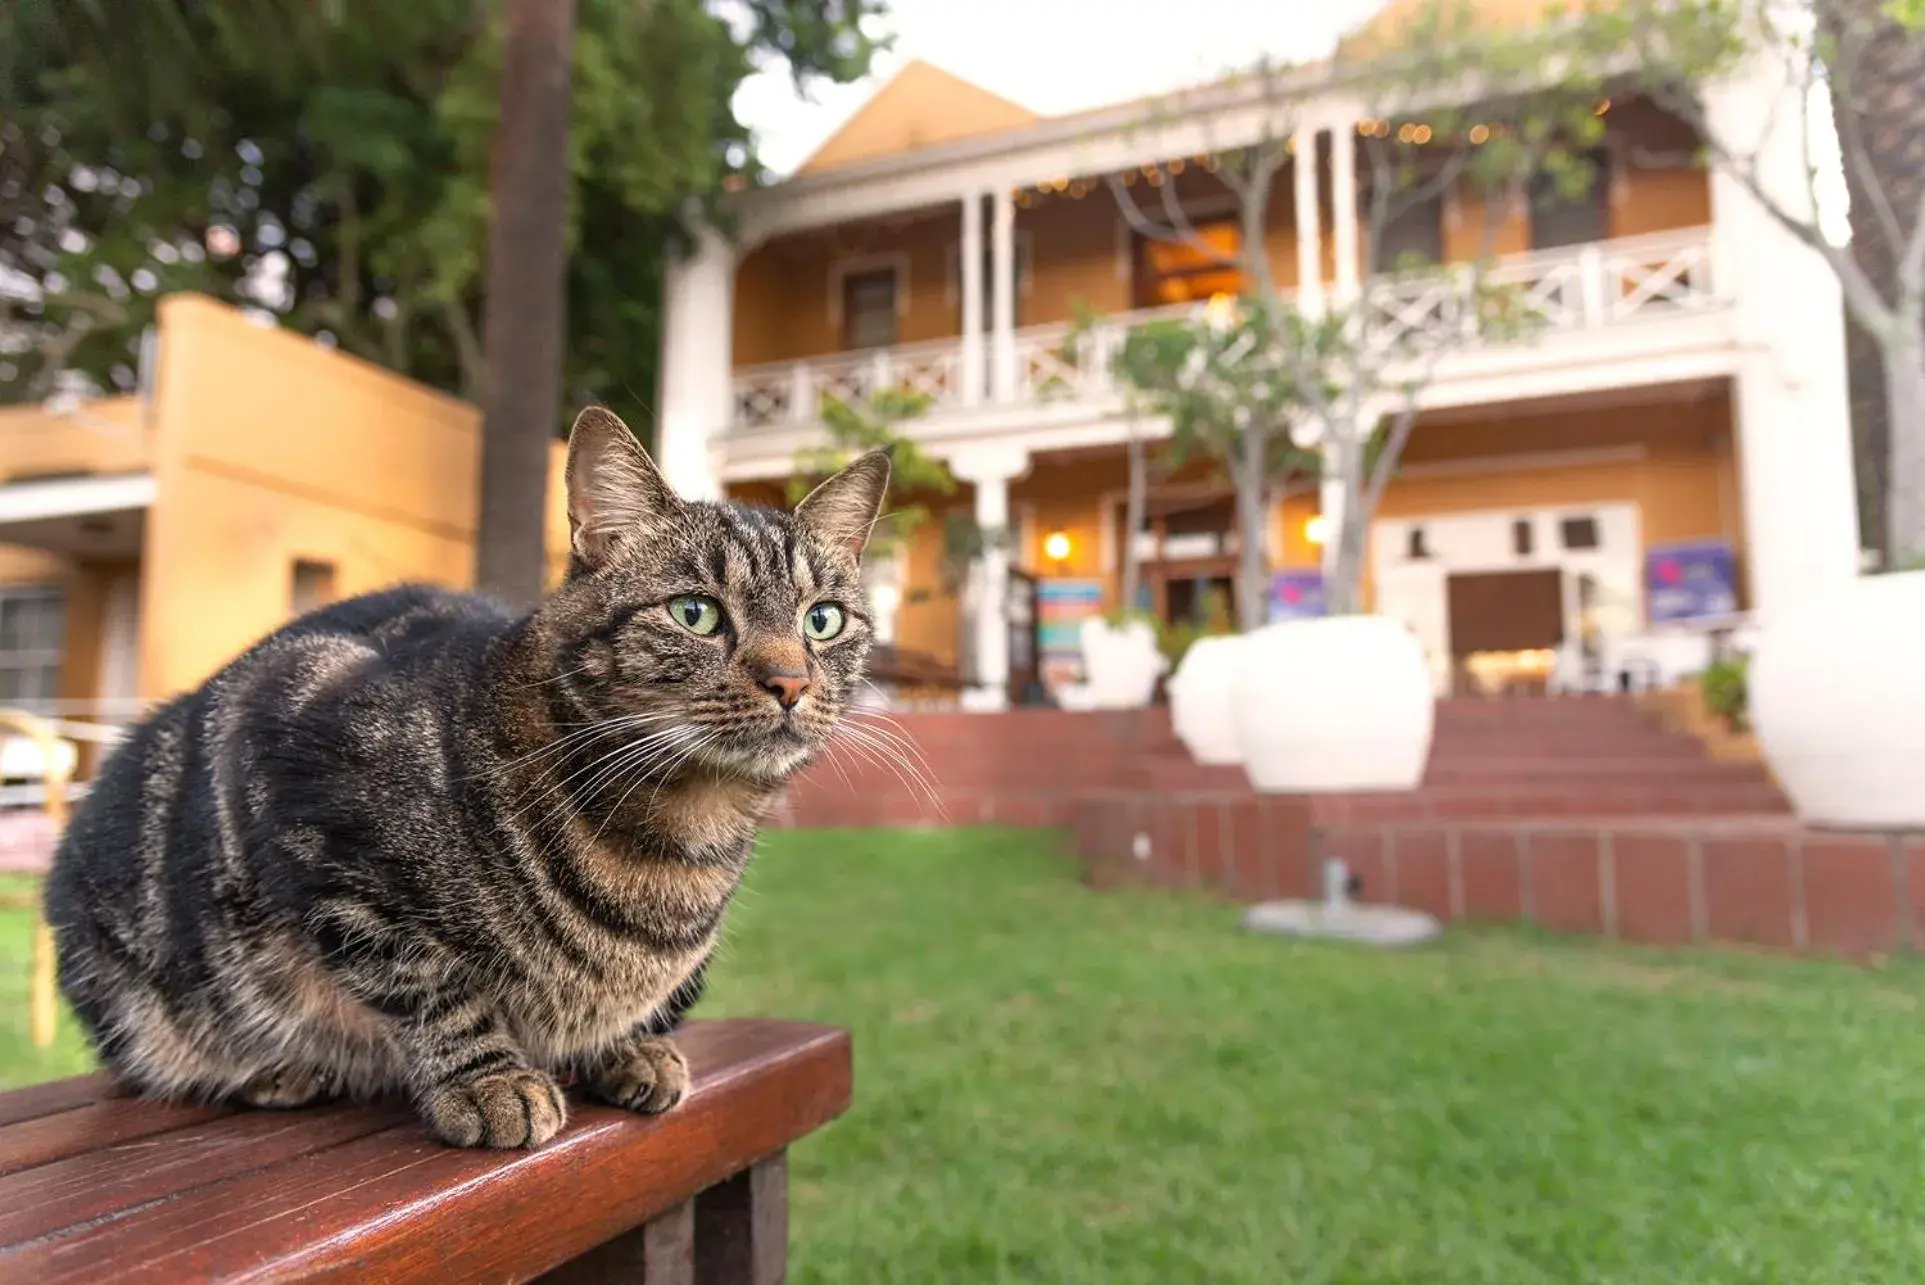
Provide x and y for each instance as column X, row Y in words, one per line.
column 414, row 843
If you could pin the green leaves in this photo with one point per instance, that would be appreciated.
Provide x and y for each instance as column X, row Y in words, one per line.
column 345, row 146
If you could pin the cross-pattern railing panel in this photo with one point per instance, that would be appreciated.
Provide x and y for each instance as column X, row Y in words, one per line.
column 1535, row 295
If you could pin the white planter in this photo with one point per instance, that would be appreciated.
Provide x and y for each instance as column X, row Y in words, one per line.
column 1201, row 703
column 1120, row 665
column 1837, row 695
column 1337, row 705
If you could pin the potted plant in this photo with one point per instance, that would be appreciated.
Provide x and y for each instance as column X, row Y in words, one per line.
column 1121, row 661
column 1836, row 692
column 1202, row 656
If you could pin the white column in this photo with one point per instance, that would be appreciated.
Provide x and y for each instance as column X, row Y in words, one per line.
column 696, row 398
column 990, row 470
column 970, row 275
column 1002, row 340
column 1309, row 223
column 1792, row 399
column 1343, row 210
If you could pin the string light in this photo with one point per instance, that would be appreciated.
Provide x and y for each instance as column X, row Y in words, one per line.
column 1176, row 166
column 1407, row 133
column 1480, row 134
column 1603, row 106
column 1420, row 135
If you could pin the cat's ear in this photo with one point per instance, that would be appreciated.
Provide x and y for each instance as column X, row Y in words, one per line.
column 614, row 489
column 843, row 509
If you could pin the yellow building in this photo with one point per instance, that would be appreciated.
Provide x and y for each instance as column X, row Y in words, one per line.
column 144, row 540
column 1686, row 387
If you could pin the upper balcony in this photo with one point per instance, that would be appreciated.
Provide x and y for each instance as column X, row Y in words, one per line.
column 1571, row 292
column 842, row 310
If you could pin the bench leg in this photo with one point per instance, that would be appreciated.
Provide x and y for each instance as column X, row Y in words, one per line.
column 735, row 1233
column 659, row 1252
column 742, row 1227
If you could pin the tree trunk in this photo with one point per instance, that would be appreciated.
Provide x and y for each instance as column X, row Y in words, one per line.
column 1883, row 104
column 1343, row 592
column 1252, row 585
column 1904, row 376
column 525, row 324
column 1133, row 518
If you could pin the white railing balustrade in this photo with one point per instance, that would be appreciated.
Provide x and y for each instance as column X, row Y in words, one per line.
column 1607, row 283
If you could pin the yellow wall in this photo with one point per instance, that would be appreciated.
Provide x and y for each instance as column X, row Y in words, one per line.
column 103, row 436
column 269, row 448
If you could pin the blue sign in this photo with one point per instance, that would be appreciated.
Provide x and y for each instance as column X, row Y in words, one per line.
column 1296, row 595
column 1691, row 581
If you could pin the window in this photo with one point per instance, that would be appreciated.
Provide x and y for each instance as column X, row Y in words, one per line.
column 1579, row 533
column 312, row 585
column 1522, row 537
column 869, row 309
column 1184, row 272
column 1413, row 235
column 32, row 622
column 1559, row 220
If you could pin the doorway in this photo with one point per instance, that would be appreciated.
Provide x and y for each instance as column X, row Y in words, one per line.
column 1504, row 627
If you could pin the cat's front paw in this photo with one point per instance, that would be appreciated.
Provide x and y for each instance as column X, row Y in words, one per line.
column 284, row 1087
column 650, row 1077
column 514, row 1108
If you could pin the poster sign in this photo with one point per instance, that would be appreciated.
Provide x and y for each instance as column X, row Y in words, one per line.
column 1296, row 595
column 1061, row 608
column 1693, row 581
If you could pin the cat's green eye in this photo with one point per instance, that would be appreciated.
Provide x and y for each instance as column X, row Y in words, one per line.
column 696, row 614
column 823, row 621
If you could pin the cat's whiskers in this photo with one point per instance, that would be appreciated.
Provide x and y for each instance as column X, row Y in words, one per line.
column 884, row 754
column 894, row 733
column 644, row 748
column 587, row 731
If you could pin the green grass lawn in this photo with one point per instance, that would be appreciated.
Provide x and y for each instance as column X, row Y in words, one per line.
column 1055, row 1085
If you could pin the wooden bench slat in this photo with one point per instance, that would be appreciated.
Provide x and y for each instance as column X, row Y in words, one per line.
column 51, row 1198
column 395, row 1206
column 51, row 1099
column 48, row 1138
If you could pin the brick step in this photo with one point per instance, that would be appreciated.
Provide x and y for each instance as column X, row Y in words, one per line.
column 1765, row 881
column 1756, row 880
column 1444, row 803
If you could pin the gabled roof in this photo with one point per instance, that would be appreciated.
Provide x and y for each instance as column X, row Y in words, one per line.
column 921, row 105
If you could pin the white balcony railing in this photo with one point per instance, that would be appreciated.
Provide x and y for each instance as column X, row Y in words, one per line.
column 1585, row 288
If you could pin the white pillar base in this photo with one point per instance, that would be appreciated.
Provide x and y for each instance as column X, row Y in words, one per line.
column 985, row 700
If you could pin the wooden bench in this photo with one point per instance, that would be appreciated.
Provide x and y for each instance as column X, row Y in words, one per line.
column 96, row 1186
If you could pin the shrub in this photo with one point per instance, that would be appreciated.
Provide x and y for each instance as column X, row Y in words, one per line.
column 1725, row 693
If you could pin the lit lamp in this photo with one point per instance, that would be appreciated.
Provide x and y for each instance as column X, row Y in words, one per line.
column 1056, row 547
column 1317, row 529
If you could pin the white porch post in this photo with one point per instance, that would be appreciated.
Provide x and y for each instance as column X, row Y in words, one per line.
column 1310, row 284
column 970, row 275
column 990, row 470
column 696, row 397
column 1003, row 297
column 1309, row 221
column 1343, row 210
column 1791, row 393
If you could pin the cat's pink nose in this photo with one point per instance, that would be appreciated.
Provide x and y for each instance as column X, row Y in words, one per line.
column 787, row 688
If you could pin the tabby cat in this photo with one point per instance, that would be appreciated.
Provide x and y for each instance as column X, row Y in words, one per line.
column 417, row 844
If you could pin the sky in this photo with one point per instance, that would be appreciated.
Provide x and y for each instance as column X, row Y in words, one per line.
column 1054, row 56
